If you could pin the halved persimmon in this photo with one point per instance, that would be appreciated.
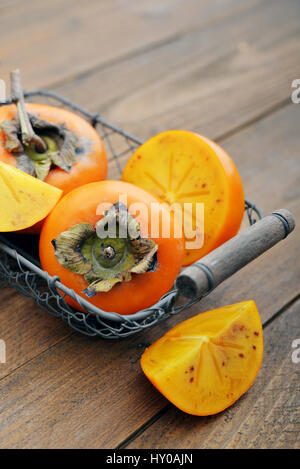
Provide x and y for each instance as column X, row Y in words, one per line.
column 117, row 273
column 186, row 170
column 204, row 364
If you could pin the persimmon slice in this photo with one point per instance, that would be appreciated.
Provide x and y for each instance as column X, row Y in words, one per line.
column 180, row 167
column 24, row 200
column 204, row 364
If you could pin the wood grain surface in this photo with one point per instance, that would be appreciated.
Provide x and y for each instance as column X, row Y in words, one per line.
column 53, row 40
column 224, row 69
column 201, row 81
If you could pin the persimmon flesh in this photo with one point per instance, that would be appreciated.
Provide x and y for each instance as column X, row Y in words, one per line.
column 180, row 167
column 24, row 200
column 204, row 364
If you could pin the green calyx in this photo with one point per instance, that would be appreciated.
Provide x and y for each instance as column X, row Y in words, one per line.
column 59, row 142
column 107, row 254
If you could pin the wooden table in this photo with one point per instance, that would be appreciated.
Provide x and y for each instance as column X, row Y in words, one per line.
column 222, row 68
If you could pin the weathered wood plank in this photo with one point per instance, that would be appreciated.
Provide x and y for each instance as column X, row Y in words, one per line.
column 211, row 80
column 13, row 324
column 267, row 416
column 9, row 4
column 84, row 415
column 53, row 40
column 274, row 420
column 31, row 389
column 102, row 380
column 25, row 328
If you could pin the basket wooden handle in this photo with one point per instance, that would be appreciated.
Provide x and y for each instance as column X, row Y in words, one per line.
column 204, row 275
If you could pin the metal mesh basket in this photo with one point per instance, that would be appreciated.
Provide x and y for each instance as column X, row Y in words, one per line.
column 19, row 264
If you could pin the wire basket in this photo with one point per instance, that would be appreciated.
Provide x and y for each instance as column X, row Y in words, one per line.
column 20, row 267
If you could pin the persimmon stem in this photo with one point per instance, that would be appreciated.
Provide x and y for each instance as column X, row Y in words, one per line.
column 28, row 134
column 109, row 252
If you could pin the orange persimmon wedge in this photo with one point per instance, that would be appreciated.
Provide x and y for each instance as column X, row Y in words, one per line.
column 24, row 200
column 180, row 167
column 204, row 364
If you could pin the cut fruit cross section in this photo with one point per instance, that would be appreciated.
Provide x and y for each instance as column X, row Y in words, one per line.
column 200, row 182
column 204, row 364
column 24, row 200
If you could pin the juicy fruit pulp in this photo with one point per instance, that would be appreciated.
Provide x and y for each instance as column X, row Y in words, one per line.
column 204, row 364
column 24, row 200
column 180, row 167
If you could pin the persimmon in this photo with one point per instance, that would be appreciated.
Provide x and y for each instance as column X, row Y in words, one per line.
column 122, row 274
column 90, row 163
column 50, row 143
column 184, row 169
column 24, row 200
column 204, row 364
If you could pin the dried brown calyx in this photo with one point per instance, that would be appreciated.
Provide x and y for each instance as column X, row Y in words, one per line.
column 107, row 254
column 60, row 146
column 37, row 144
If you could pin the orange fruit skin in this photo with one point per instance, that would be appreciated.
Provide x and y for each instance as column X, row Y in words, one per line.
column 90, row 167
column 80, row 206
column 206, row 363
column 210, row 177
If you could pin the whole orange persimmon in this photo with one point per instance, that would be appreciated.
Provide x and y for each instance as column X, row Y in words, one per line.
column 117, row 273
column 90, row 163
column 74, row 153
